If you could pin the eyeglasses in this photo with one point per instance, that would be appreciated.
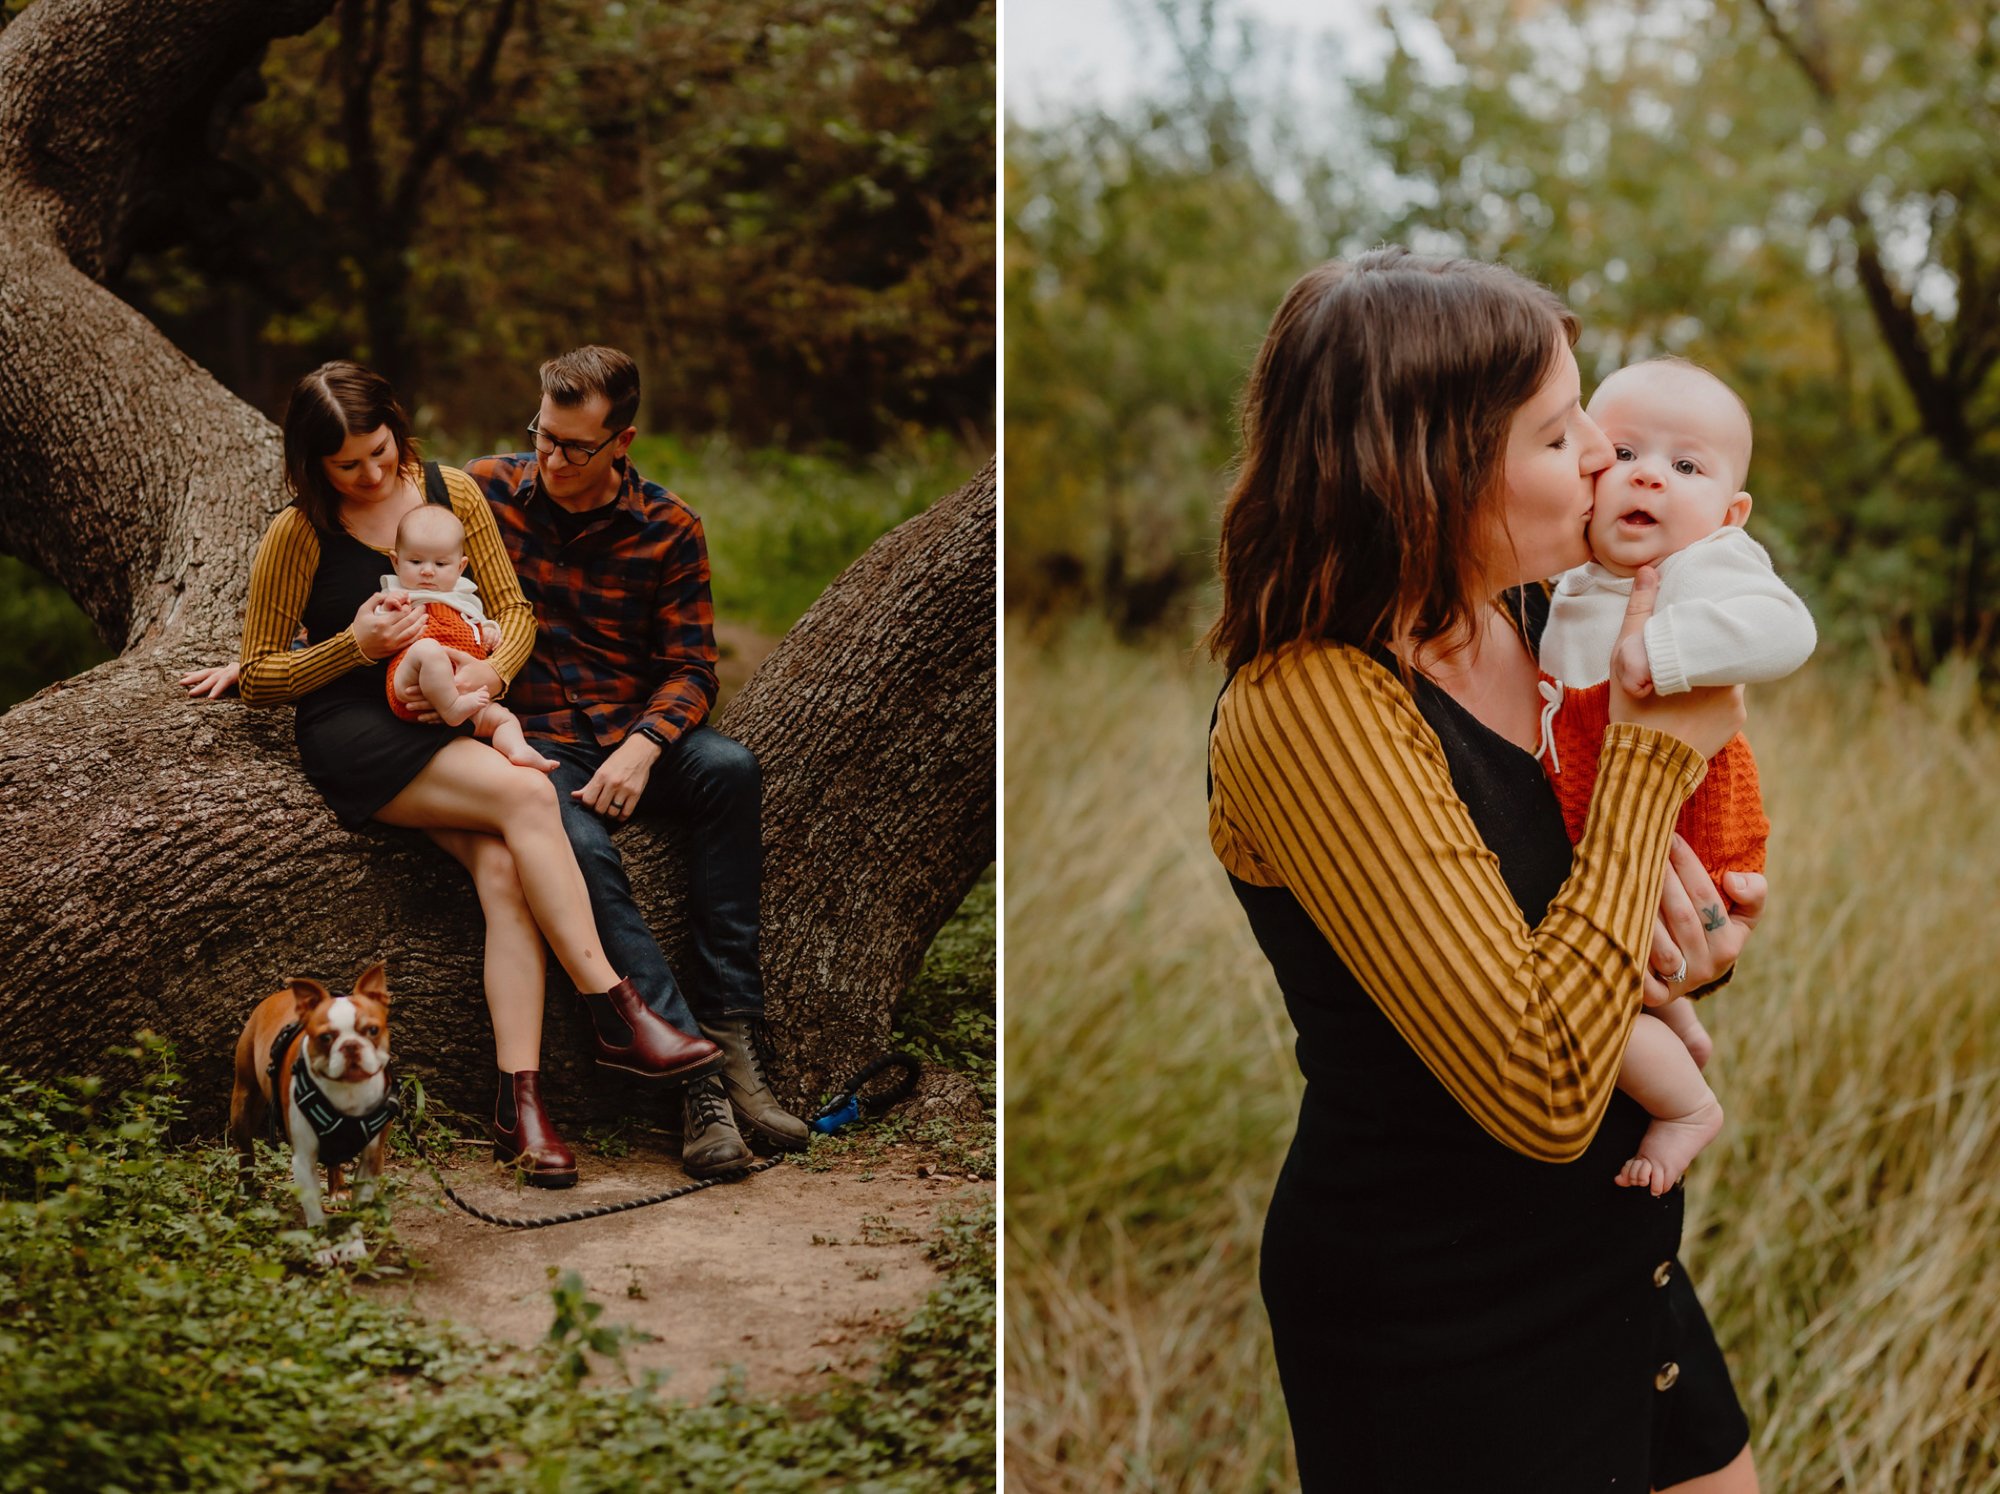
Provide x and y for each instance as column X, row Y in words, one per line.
column 574, row 452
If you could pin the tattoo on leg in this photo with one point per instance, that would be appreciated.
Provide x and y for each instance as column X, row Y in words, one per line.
column 1712, row 919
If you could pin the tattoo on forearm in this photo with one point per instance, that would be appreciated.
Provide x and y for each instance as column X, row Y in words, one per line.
column 1712, row 919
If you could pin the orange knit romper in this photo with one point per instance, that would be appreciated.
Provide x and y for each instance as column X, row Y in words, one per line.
column 1723, row 822
column 450, row 627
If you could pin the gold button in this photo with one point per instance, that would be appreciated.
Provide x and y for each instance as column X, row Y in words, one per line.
column 1669, row 1372
column 1662, row 1273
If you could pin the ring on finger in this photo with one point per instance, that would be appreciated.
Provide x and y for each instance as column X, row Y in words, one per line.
column 1678, row 976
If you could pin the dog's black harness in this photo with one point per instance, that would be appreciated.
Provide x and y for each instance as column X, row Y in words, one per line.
column 341, row 1136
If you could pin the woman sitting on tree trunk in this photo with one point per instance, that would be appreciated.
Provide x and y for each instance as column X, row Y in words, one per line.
column 354, row 476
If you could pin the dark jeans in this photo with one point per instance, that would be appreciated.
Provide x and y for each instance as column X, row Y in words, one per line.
column 710, row 784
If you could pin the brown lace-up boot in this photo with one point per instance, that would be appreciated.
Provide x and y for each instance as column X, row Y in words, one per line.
column 631, row 1036
column 710, row 1142
column 749, row 1091
column 524, row 1137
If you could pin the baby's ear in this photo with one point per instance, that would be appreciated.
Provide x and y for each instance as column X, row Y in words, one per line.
column 1738, row 512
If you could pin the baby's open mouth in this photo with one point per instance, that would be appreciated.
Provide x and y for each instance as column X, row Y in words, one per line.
column 1637, row 517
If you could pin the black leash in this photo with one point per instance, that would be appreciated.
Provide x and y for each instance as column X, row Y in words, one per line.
column 845, row 1109
column 850, row 1104
column 413, row 1104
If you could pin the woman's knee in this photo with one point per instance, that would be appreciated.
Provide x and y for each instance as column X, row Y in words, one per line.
column 524, row 793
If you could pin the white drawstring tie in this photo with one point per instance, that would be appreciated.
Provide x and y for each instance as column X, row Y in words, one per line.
column 1552, row 699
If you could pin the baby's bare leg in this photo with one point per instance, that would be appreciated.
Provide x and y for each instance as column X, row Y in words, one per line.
column 1686, row 1023
column 1661, row 1075
column 503, row 728
column 431, row 666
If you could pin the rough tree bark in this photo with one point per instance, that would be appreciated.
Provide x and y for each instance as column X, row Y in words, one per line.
column 168, row 864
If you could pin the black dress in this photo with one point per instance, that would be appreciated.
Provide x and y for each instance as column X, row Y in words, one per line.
column 1449, row 1314
column 356, row 751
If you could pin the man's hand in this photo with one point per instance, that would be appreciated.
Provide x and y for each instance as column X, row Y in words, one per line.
column 1631, row 667
column 615, row 789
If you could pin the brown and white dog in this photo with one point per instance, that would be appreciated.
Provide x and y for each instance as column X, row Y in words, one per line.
column 332, row 1097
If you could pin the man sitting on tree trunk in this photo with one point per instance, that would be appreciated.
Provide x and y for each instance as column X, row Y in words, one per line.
column 617, row 691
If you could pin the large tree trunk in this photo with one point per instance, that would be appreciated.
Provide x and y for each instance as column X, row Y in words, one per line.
column 168, row 863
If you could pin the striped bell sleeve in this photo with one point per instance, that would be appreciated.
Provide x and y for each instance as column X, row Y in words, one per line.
column 1329, row 782
column 281, row 578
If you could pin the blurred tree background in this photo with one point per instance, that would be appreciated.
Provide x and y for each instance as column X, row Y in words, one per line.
column 1802, row 194
column 783, row 208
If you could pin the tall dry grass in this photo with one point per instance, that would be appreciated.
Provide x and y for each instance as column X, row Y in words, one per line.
column 1845, row 1230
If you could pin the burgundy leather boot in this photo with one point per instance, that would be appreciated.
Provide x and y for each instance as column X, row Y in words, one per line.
column 524, row 1137
column 631, row 1036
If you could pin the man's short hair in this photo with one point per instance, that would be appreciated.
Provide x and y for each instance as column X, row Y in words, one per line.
column 584, row 372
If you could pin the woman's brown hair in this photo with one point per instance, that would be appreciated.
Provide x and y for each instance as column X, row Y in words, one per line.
column 1374, row 440
column 335, row 401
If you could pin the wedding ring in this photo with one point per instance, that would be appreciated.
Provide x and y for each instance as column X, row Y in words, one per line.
column 1678, row 976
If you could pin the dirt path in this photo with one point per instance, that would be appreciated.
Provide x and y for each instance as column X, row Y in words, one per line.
column 787, row 1274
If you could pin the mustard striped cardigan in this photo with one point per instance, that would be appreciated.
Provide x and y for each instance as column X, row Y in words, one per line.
column 281, row 578
column 1329, row 782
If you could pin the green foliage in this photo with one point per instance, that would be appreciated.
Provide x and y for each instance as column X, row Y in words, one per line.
column 1801, row 201
column 49, row 638
column 1802, row 198
column 1141, row 261
column 158, row 1333
column 946, row 1016
column 784, row 209
column 576, row 1333
column 781, row 525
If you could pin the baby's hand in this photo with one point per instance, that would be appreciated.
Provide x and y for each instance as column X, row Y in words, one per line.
column 489, row 633
column 1630, row 666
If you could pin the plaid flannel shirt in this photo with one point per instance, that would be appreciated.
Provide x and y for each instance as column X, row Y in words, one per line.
column 625, row 624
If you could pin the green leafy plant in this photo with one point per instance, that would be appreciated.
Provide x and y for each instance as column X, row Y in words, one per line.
column 158, row 1331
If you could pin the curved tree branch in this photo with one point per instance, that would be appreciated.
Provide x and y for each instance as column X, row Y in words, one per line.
column 169, row 865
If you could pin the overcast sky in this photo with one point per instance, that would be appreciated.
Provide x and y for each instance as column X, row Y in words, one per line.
column 1063, row 53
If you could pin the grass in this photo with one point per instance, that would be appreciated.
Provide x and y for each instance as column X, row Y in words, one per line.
column 781, row 525
column 1845, row 1229
column 947, row 1015
column 158, row 1333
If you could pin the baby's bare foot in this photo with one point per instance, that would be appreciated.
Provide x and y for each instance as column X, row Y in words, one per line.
column 526, row 757
column 1669, row 1146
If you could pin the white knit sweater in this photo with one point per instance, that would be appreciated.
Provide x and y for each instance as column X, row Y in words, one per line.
column 1723, row 618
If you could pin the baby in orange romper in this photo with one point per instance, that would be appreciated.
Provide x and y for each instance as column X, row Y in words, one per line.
column 430, row 564
column 1673, row 499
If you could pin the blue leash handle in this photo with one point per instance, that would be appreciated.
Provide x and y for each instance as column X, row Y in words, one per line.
column 846, row 1107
